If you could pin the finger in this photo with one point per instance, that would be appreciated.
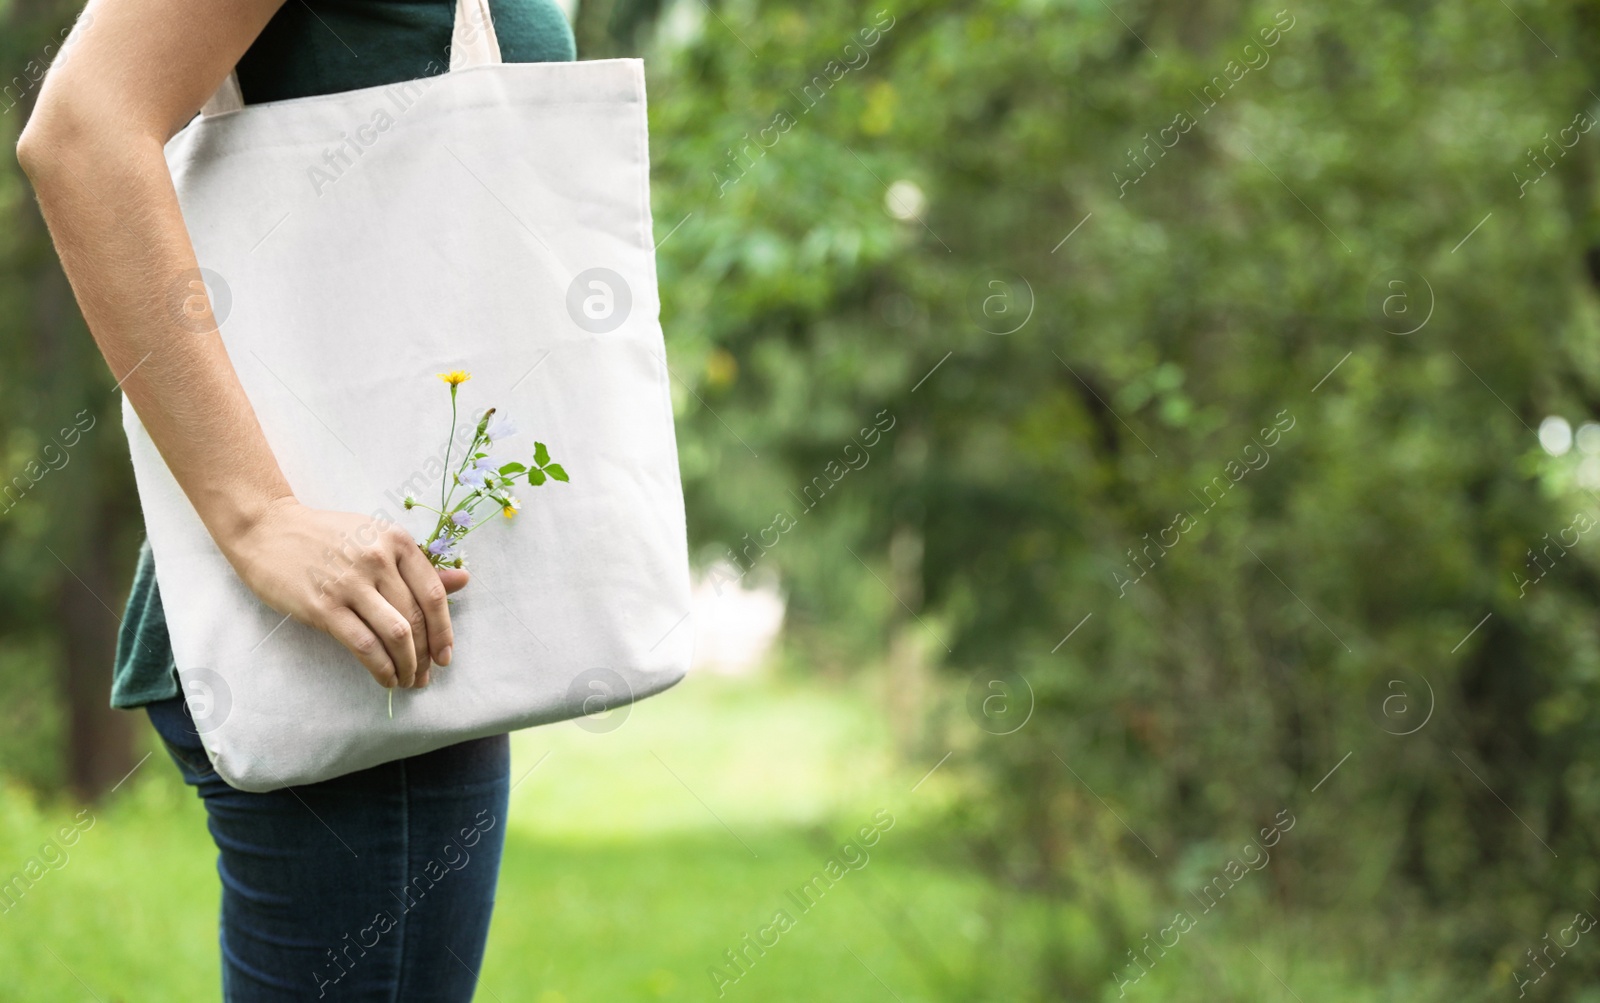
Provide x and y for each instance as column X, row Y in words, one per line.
column 428, row 589
column 393, row 629
column 352, row 632
column 454, row 579
column 398, row 593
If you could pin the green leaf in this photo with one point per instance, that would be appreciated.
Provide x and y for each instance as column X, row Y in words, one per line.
column 512, row 468
column 536, row 477
column 554, row 470
column 541, row 455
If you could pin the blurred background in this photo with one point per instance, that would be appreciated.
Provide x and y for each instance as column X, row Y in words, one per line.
column 1140, row 457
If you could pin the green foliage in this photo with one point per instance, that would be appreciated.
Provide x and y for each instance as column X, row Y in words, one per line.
column 1211, row 447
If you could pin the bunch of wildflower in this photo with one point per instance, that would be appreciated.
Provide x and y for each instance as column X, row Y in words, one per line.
column 485, row 484
column 485, row 480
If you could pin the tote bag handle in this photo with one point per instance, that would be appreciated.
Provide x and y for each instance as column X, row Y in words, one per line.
column 472, row 43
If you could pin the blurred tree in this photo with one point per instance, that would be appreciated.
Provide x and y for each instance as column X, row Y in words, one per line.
column 1214, row 452
column 608, row 28
column 70, row 526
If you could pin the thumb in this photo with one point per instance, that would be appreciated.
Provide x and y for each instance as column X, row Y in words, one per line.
column 453, row 579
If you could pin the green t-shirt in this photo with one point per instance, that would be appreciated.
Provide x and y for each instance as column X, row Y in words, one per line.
column 322, row 47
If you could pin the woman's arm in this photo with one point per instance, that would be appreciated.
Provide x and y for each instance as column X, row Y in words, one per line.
column 130, row 76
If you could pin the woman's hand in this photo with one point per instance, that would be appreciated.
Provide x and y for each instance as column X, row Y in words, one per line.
column 364, row 582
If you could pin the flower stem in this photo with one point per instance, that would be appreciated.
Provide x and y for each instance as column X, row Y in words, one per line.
column 443, row 500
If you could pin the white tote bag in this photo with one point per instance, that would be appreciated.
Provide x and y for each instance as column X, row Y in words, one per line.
column 493, row 219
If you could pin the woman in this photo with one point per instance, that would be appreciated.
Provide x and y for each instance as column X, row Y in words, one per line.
column 375, row 885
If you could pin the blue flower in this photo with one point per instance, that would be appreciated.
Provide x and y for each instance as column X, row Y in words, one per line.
column 474, row 476
column 444, row 548
column 462, row 519
column 500, row 427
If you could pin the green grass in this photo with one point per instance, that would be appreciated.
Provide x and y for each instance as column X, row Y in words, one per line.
column 634, row 859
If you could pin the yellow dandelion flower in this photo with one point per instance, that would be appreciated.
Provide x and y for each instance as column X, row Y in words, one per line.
column 455, row 377
column 509, row 511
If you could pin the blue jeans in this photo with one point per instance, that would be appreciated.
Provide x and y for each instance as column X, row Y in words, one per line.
column 377, row 885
